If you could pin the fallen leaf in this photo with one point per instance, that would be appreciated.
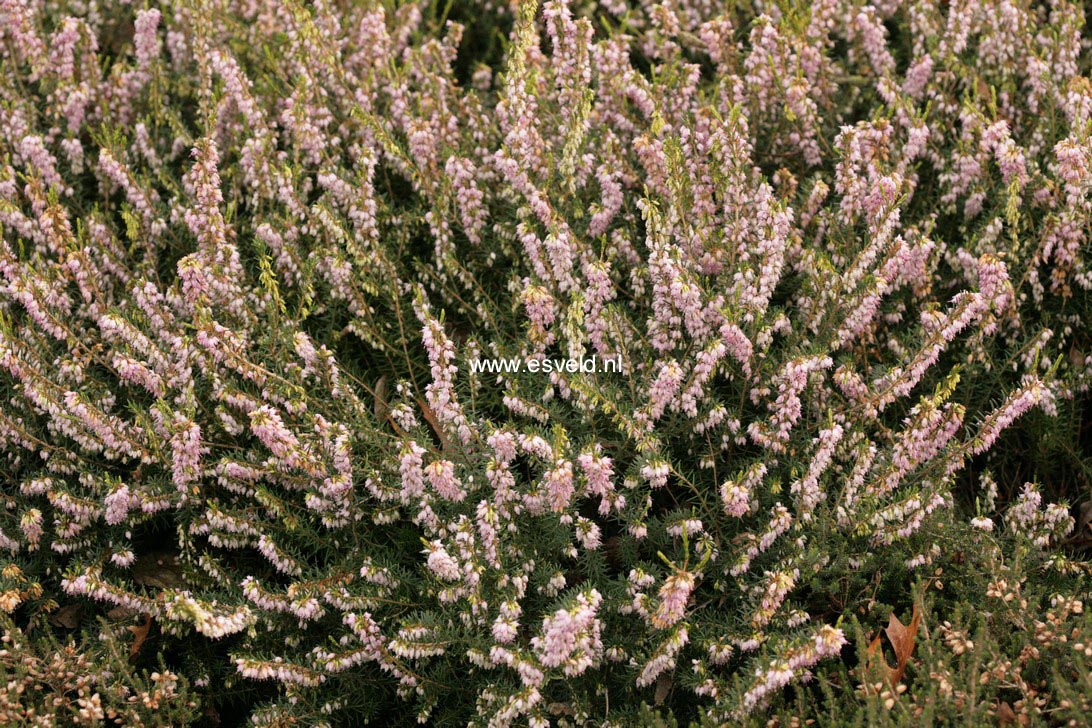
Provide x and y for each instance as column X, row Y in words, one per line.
column 663, row 688
column 985, row 93
column 67, row 617
column 560, row 709
column 1076, row 358
column 612, row 551
column 140, row 633
column 902, row 638
column 159, row 569
column 120, row 613
column 430, row 418
column 212, row 717
column 1005, row 714
column 380, row 407
column 875, row 658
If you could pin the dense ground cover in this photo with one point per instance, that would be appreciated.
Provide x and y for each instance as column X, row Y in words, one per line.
column 250, row 251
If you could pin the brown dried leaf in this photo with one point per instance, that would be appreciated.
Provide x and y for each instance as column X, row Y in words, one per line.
column 380, row 407
column 67, row 617
column 140, row 633
column 560, row 709
column 902, row 639
column 612, row 551
column 159, row 569
column 1076, row 357
column 430, row 418
column 663, row 687
column 120, row 613
column 1005, row 714
column 876, row 661
column 985, row 92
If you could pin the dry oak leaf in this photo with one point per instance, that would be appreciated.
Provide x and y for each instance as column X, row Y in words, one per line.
column 140, row 633
column 67, row 617
column 434, row 423
column 1005, row 714
column 663, row 687
column 159, row 569
column 901, row 636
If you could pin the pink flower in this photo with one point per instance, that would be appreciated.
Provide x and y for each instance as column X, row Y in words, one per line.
column 441, row 563
column 412, row 472
column 560, row 486
column 186, row 450
column 598, row 470
column 441, row 476
column 1032, row 392
column 440, row 392
column 570, row 637
column 674, row 596
column 663, row 389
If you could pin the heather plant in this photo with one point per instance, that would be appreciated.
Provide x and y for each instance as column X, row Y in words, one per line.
column 252, row 251
column 50, row 683
column 1004, row 636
